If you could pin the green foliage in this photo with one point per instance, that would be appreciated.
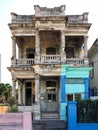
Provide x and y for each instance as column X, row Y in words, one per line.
column 5, row 92
column 87, row 111
column 13, row 106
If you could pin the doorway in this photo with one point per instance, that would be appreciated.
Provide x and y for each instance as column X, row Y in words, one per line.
column 28, row 94
column 52, row 103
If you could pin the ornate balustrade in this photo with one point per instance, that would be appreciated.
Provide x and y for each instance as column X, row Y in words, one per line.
column 75, row 61
column 48, row 59
column 23, row 62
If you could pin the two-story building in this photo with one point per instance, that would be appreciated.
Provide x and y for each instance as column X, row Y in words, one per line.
column 48, row 61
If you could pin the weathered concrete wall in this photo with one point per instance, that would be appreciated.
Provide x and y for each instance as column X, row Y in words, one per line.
column 16, row 121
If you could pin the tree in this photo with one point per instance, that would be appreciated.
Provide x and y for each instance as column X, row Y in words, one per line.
column 5, row 91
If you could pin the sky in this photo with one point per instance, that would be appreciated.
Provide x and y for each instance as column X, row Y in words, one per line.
column 26, row 7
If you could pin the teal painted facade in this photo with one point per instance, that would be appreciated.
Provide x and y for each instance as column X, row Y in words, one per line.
column 69, row 72
column 75, row 88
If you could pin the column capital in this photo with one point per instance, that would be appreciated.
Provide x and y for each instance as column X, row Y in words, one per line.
column 13, row 38
column 62, row 31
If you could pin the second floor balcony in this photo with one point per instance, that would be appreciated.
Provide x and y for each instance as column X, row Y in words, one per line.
column 49, row 59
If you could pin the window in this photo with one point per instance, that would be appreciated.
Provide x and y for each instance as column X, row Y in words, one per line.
column 30, row 53
column 69, row 52
column 51, row 97
column 77, row 97
column 51, row 90
column 73, row 97
column 51, row 86
column 92, row 71
column 50, row 51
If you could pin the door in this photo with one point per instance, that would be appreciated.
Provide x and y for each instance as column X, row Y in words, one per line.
column 51, row 95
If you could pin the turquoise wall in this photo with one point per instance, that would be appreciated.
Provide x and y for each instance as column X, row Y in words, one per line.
column 74, row 88
column 75, row 72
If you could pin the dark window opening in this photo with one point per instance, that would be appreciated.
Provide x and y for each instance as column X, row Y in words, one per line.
column 69, row 52
column 51, row 86
column 74, row 97
column 30, row 53
column 50, row 51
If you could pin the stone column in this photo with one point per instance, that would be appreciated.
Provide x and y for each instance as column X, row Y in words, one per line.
column 37, row 46
column 37, row 99
column 63, row 55
column 85, row 46
column 13, row 47
column 24, row 95
column 37, row 89
column 13, row 88
column 20, row 53
column 86, row 62
column 19, row 93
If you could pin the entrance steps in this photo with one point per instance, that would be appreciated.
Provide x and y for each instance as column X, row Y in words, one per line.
column 50, row 115
column 49, row 125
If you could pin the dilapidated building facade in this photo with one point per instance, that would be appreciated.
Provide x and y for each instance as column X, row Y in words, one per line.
column 46, row 48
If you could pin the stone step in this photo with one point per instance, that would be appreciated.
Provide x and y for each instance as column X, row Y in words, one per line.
column 49, row 115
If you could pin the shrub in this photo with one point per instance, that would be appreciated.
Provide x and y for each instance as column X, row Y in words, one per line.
column 87, row 111
column 13, row 106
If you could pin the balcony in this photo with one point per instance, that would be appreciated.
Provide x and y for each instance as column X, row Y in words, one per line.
column 22, row 62
column 48, row 59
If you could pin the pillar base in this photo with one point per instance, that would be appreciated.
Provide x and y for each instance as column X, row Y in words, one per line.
column 63, row 111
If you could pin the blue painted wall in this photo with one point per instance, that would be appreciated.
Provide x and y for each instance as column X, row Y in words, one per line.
column 73, row 72
column 72, row 120
column 63, row 98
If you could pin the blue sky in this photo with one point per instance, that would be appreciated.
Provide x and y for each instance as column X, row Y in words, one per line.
column 26, row 7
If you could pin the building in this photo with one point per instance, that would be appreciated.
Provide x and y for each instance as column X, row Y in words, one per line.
column 52, row 66
column 93, row 59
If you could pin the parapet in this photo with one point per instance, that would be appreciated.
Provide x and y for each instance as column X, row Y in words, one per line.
column 44, row 11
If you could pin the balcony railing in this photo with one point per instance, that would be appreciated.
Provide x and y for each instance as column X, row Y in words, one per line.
column 75, row 61
column 24, row 62
column 48, row 59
